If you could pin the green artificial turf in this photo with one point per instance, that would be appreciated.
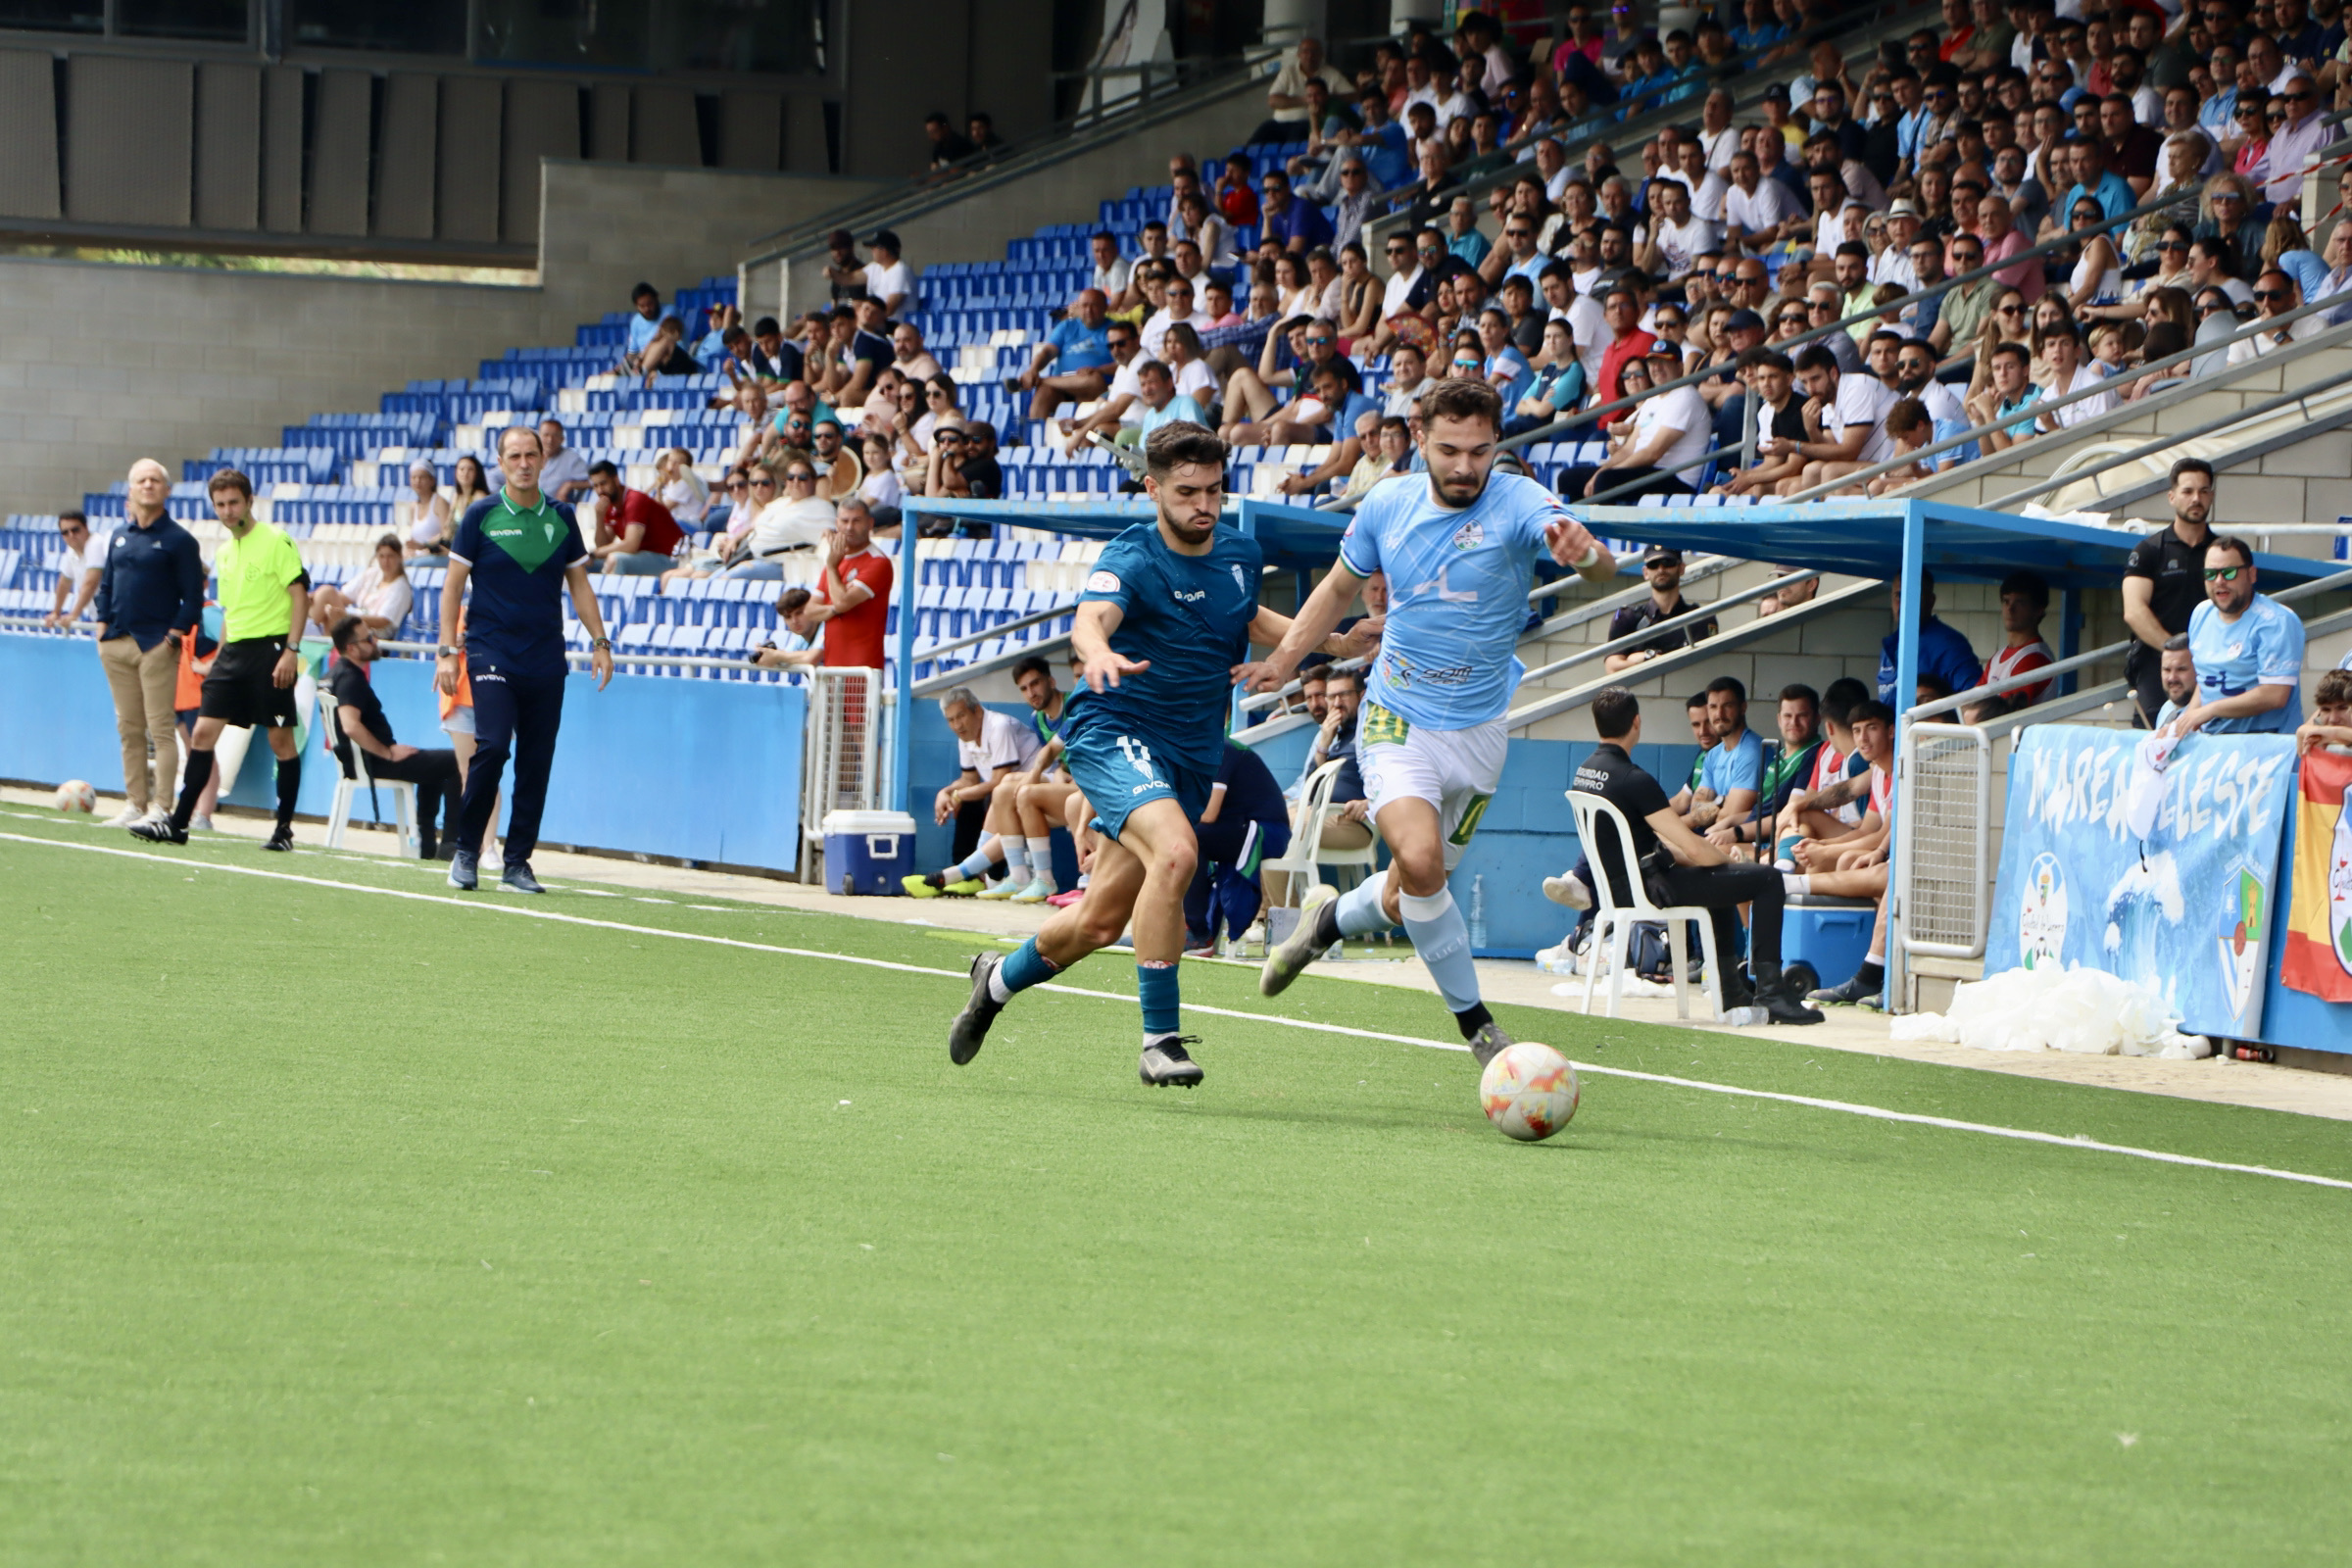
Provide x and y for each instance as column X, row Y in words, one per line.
column 349, row 1229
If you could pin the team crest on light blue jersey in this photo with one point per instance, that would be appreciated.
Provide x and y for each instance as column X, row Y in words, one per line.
column 1458, row 581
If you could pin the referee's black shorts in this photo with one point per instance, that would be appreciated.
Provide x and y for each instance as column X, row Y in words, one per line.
column 242, row 689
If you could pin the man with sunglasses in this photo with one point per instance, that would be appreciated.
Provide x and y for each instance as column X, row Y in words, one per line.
column 77, row 573
column 2274, row 295
column 1964, row 309
column 2304, row 132
column 2249, row 649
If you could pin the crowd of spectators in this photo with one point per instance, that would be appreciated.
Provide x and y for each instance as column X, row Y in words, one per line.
column 1624, row 257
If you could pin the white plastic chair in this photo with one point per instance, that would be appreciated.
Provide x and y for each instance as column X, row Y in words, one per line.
column 353, row 778
column 1613, row 924
column 1307, row 855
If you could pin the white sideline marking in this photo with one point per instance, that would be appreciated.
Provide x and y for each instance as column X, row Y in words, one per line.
column 1874, row 1113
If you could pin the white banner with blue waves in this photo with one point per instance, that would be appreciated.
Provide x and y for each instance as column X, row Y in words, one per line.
column 2185, row 910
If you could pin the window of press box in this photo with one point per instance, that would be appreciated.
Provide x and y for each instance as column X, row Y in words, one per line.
column 402, row 26
column 53, row 16
column 213, row 21
column 770, row 37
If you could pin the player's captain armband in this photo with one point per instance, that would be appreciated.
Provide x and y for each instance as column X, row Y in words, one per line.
column 1103, row 582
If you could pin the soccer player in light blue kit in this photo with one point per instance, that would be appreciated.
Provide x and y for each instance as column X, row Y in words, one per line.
column 1163, row 626
column 1460, row 556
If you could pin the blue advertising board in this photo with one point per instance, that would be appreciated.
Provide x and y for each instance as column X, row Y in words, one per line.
column 2184, row 912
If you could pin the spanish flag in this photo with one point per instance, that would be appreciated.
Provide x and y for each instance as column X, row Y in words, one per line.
column 2319, row 923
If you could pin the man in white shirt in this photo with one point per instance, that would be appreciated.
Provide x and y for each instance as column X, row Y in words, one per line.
column 1178, row 309
column 1707, row 188
column 1665, row 436
column 1758, row 212
column 77, row 573
column 2275, row 294
column 1588, row 323
column 992, row 750
column 564, row 474
column 1408, row 379
column 1111, row 267
column 1122, row 404
column 1893, row 263
column 1286, row 100
column 1851, row 413
column 1675, row 236
column 887, row 279
column 2062, row 352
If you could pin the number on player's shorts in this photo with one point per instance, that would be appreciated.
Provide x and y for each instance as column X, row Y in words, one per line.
column 1469, row 824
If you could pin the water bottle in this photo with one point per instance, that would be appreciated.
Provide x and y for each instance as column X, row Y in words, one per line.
column 1478, row 914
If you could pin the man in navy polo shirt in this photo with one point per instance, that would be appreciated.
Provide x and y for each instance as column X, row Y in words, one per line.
column 1300, row 226
column 520, row 550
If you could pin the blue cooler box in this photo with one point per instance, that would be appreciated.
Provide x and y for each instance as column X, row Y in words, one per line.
column 1830, row 935
column 868, row 852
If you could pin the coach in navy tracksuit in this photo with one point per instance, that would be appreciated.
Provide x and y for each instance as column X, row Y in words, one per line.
column 521, row 550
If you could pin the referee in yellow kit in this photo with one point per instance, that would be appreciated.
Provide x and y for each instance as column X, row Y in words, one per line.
column 264, row 597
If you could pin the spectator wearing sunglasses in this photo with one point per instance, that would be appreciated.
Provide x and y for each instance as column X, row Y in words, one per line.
column 2275, row 294
column 2301, row 132
column 2249, row 649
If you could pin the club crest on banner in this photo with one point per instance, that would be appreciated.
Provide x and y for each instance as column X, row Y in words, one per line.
column 2244, row 937
column 2041, row 917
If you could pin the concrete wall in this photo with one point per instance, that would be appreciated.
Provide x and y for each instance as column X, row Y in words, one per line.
column 108, row 363
column 977, row 227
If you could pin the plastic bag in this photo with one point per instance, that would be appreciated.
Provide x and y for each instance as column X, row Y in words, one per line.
column 2085, row 1011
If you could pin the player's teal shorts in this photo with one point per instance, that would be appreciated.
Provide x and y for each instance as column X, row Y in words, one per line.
column 1120, row 770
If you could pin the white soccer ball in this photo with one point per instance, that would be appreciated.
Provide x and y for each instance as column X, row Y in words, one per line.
column 1529, row 1092
column 76, row 795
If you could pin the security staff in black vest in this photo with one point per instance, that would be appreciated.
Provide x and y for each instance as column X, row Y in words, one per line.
column 2163, row 583
column 1678, row 867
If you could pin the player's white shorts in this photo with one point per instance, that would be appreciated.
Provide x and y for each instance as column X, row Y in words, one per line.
column 1455, row 770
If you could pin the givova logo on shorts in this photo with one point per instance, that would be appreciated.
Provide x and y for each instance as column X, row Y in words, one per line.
column 1139, row 757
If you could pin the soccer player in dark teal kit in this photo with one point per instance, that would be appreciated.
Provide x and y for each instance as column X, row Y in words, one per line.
column 1164, row 623
column 521, row 550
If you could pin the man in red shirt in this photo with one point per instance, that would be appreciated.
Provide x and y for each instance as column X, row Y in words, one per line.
column 853, row 596
column 1622, row 310
column 635, row 534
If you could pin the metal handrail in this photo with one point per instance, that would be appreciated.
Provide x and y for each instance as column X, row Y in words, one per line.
column 1594, row 125
column 2334, row 338
column 71, row 628
column 1674, row 623
column 2156, row 444
column 1063, row 140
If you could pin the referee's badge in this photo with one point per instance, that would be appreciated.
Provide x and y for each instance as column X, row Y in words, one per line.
column 1470, row 535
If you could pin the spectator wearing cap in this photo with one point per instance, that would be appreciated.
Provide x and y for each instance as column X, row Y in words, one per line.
column 635, row 535
column 887, row 279
column 1726, row 392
